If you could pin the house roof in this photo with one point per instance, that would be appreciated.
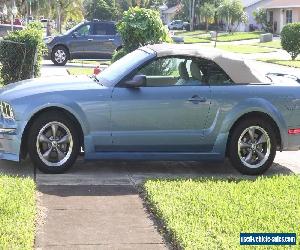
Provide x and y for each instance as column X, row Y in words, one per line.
column 278, row 4
column 248, row 3
column 239, row 70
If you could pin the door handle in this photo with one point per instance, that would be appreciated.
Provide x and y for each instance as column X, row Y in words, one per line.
column 197, row 99
column 111, row 40
column 90, row 39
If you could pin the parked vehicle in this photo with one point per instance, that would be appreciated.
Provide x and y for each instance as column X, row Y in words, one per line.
column 44, row 22
column 5, row 28
column 88, row 40
column 18, row 21
column 178, row 25
column 160, row 102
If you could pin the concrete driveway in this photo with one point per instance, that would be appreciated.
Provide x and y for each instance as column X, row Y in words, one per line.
column 134, row 172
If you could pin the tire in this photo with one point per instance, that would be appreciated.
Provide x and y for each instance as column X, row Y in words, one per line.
column 252, row 156
column 60, row 55
column 53, row 155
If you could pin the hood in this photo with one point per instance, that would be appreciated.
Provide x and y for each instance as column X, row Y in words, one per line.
column 46, row 85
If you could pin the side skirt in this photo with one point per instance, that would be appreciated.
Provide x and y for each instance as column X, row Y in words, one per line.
column 154, row 156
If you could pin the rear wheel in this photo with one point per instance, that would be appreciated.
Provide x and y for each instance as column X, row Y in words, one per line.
column 53, row 143
column 252, row 147
column 59, row 56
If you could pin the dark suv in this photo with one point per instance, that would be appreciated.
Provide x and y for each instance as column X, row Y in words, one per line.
column 87, row 40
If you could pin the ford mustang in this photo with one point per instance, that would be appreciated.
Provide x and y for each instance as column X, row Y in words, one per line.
column 160, row 102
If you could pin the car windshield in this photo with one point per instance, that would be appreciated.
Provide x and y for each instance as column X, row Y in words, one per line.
column 72, row 29
column 118, row 70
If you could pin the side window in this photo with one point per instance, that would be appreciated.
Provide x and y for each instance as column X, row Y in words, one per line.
column 84, row 30
column 100, row 29
column 172, row 71
column 111, row 30
column 213, row 74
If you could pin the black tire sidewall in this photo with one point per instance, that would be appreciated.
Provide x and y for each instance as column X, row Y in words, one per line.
column 35, row 128
column 233, row 145
column 53, row 55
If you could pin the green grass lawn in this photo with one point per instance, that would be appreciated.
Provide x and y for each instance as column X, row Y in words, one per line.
column 80, row 71
column 189, row 33
column 90, row 62
column 289, row 63
column 244, row 49
column 211, row 214
column 238, row 36
column 17, row 213
column 190, row 40
column 200, row 36
column 274, row 44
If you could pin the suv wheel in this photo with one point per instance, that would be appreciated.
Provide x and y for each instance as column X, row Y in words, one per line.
column 252, row 147
column 59, row 56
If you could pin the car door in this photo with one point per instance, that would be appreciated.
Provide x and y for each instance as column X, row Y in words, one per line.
column 167, row 115
column 80, row 41
column 102, row 40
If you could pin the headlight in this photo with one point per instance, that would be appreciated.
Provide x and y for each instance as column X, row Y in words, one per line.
column 6, row 111
column 49, row 39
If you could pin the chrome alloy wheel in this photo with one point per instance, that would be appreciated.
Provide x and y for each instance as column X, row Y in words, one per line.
column 54, row 144
column 254, row 147
column 60, row 56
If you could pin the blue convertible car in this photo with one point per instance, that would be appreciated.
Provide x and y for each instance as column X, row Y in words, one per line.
column 161, row 102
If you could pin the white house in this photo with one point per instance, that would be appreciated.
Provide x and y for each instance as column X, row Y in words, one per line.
column 249, row 7
column 282, row 12
column 168, row 14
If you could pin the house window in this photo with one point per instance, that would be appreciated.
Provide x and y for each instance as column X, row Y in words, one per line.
column 289, row 16
column 271, row 17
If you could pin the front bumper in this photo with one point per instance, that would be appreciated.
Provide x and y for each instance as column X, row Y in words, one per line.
column 47, row 54
column 9, row 147
column 10, row 140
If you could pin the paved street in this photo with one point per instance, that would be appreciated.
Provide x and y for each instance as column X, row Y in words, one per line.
column 135, row 172
column 49, row 69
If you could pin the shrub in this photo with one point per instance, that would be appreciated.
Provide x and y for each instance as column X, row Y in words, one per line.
column 290, row 39
column 21, row 54
column 118, row 54
column 140, row 27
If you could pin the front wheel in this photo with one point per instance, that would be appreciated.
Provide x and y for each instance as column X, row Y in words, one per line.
column 53, row 143
column 59, row 56
column 252, row 147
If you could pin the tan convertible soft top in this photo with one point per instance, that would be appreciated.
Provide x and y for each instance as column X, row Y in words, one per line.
column 235, row 66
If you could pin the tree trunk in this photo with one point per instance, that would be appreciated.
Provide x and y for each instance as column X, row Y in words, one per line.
column 192, row 14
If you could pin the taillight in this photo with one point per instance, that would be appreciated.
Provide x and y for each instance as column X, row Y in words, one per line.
column 294, row 131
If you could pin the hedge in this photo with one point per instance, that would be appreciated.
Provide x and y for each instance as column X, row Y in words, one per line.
column 21, row 54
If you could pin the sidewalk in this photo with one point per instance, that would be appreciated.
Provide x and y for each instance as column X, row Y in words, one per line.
column 95, row 217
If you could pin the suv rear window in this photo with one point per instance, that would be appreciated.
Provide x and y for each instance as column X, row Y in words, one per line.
column 104, row 29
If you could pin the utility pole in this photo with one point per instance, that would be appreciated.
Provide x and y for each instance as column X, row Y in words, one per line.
column 29, row 7
column 38, row 9
column 59, row 15
column 94, row 14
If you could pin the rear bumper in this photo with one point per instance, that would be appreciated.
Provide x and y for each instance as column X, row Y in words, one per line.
column 293, row 143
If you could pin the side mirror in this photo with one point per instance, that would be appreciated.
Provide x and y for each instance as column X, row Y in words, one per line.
column 75, row 34
column 136, row 82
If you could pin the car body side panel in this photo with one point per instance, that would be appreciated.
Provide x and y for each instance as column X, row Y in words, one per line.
column 161, row 119
column 229, row 103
